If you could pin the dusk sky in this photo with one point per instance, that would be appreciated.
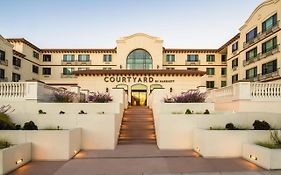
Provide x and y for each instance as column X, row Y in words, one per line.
column 99, row 23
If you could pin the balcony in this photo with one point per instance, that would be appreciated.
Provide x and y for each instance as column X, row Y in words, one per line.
column 269, row 75
column 262, row 35
column 84, row 62
column 261, row 56
column 67, row 75
column 69, row 62
column 188, row 62
column 4, row 62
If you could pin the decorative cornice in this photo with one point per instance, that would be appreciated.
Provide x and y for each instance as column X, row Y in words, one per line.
column 22, row 40
column 139, row 72
column 16, row 53
column 5, row 41
column 169, row 50
column 79, row 50
column 236, row 37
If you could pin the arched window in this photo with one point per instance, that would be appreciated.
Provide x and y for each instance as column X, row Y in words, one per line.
column 139, row 59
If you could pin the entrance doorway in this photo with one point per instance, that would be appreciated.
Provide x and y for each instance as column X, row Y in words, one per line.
column 138, row 95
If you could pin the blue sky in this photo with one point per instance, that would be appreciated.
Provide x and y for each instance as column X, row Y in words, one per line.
column 99, row 23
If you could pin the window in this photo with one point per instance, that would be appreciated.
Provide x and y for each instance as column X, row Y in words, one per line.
column 234, row 63
column 250, row 36
column 2, row 55
column 223, row 71
column 251, row 54
column 251, row 73
column 193, row 69
column 210, row 71
column 139, row 59
column 83, row 58
column 170, row 58
column 15, row 77
column 170, row 68
column 46, row 71
column 269, row 67
column 235, row 46
column 16, row 62
column 47, row 58
column 223, row 83
column 35, row 69
column 210, row 58
column 2, row 74
column 269, row 45
column 83, row 68
column 192, row 58
column 210, row 84
column 223, row 58
column 107, row 58
column 269, row 23
column 235, row 78
column 68, row 58
column 68, row 71
column 35, row 54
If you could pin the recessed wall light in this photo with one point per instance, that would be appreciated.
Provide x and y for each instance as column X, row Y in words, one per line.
column 19, row 161
column 253, row 157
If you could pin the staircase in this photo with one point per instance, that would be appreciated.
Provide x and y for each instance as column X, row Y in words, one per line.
column 137, row 126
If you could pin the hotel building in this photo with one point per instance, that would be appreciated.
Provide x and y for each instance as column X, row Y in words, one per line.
column 140, row 63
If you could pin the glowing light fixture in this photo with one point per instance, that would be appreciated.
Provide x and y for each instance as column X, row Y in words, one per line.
column 197, row 149
column 253, row 157
column 19, row 161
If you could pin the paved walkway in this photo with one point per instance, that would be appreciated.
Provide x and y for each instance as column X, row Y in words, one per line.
column 142, row 160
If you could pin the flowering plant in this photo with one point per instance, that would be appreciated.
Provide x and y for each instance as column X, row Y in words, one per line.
column 63, row 96
column 191, row 96
column 98, row 97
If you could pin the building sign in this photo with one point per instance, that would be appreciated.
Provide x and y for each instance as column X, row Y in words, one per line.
column 133, row 79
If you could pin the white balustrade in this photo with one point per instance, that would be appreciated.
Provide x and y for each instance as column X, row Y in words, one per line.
column 12, row 90
column 266, row 90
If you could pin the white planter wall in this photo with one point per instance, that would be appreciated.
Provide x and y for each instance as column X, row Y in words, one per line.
column 265, row 157
column 9, row 157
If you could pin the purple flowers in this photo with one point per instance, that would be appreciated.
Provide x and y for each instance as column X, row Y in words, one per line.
column 191, row 96
column 98, row 97
column 63, row 96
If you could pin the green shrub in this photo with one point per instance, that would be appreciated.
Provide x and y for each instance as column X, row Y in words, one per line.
column 30, row 126
column 230, row 126
column 188, row 111
column 206, row 111
column 4, row 144
column 261, row 125
column 5, row 121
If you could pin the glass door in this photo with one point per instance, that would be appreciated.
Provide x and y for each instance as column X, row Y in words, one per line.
column 139, row 98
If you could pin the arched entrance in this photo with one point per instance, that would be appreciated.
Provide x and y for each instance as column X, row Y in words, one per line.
column 139, row 95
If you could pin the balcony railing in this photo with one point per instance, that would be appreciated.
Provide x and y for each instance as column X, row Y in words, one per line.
column 188, row 62
column 261, row 56
column 68, row 62
column 67, row 75
column 4, row 62
column 261, row 35
column 269, row 75
column 83, row 62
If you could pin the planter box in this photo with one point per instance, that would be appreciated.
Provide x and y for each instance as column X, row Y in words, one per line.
column 225, row 143
column 10, row 156
column 47, row 144
column 168, row 108
column 267, row 158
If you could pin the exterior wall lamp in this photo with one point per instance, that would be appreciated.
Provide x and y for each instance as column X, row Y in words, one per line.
column 106, row 90
column 171, row 89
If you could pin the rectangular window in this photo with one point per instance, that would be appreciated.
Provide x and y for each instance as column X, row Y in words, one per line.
column 2, row 55
column 2, row 74
column 223, row 83
column 269, row 45
column 107, row 58
column 251, row 35
column 192, row 58
column 223, row 58
column 68, row 71
column 46, row 71
column 235, row 46
column 68, row 58
column 235, row 63
column 251, row 54
column 269, row 67
column 170, row 58
column 210, row 58
column 223, row 71
column 251, row 73
column 35, row 54
column 47, row 58
column 210, row 84
column 269, row 23
column 16, row 62
column 15, row 77
column 83, row 58
column 35, row 69
column 235, row 78
column 210, row 71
